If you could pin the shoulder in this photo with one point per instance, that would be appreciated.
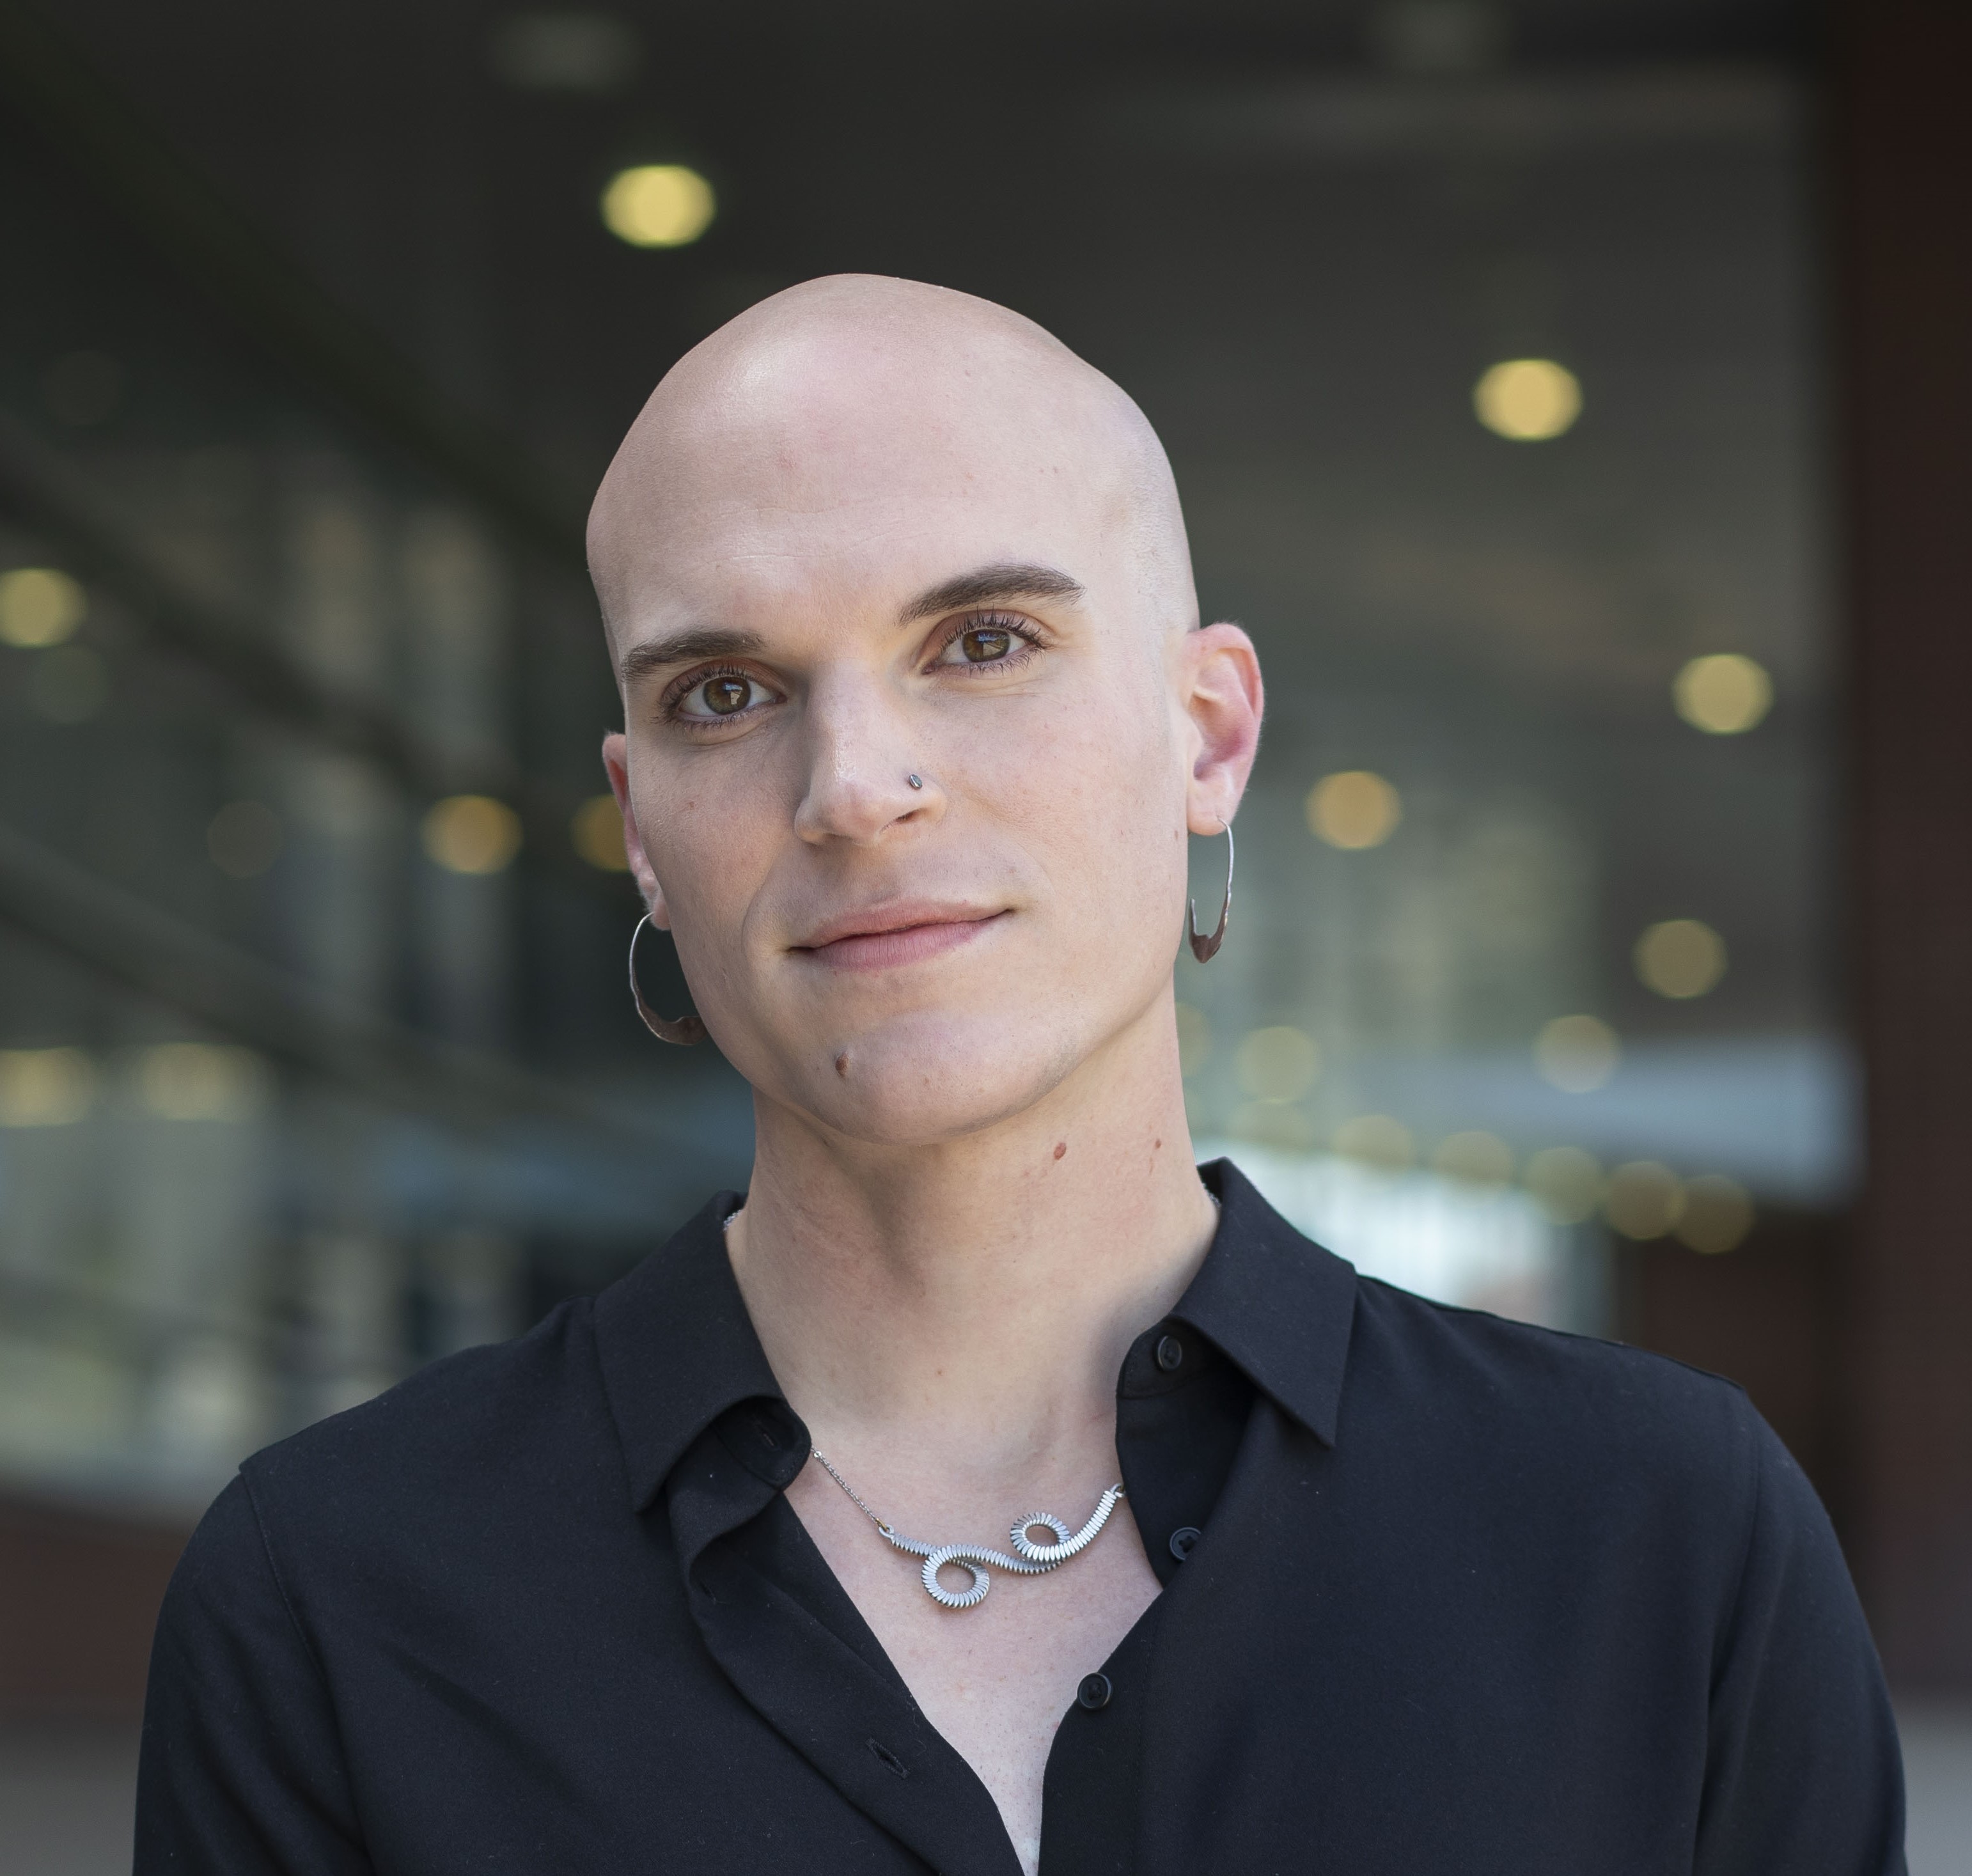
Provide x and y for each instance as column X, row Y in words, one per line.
column 1529, row 1410
column 462, row 1441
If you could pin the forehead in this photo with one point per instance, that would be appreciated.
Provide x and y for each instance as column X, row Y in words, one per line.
column 859, row 475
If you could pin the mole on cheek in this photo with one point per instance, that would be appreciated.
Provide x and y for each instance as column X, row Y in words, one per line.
column 842, row 1064
column 1061, row 1148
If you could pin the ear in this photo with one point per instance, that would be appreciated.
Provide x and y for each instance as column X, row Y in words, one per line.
column 616, row 763
column 1221, row 696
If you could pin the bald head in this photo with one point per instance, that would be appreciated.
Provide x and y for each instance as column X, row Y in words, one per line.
column 855, row 407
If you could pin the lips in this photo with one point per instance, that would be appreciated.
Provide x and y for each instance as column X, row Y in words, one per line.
column 902, row 932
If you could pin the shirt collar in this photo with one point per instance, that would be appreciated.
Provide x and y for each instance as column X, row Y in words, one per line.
column 1277, row 1304
column 677, row 1348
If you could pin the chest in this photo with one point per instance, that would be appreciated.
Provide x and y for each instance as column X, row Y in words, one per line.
column 994, row 1680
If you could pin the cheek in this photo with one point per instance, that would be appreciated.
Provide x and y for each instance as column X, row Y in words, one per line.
column 1094, row 785
column 706, row 847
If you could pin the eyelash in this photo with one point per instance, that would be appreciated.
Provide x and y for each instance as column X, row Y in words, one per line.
column 681, row 688
column 1022, row 629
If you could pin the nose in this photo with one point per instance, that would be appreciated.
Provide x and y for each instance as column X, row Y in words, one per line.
column 861, row 763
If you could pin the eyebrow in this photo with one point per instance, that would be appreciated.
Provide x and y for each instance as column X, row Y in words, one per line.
column 985, row 585
column 688, row 648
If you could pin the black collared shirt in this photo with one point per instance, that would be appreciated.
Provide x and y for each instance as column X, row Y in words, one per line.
column 1466, row 1598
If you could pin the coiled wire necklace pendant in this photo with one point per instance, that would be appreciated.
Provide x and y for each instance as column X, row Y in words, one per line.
column 1030, row 1560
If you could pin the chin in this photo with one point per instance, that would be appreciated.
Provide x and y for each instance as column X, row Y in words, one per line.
column 922, row 1080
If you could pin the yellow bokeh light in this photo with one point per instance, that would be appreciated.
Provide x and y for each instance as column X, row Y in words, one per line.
column 1644, row 1199
column 1680, row 957
column 472, row 833
column 1567, row 1181
column 1194, row 1039
column 658, row 205
column 1718, row 1214
column 1528, row 400
column 1475, row 1158
column 597, row 830
column 1353, row 809
column 1279, row 1064
column 202, row 1082
column 1376, row 1140
column 40, row 605
column 1577, row 1053
column 45, row 1087
column 1724, row 694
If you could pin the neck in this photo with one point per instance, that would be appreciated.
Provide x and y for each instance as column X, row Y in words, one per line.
column 970, row 1302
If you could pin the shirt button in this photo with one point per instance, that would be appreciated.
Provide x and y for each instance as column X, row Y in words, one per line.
column 1094, row 1692
column 1171, row 1352
column 1182, row 1540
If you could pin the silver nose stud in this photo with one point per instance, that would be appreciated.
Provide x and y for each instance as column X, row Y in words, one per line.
column 916, row 782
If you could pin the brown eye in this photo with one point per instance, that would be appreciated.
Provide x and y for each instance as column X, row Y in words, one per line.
column 721, row 696
column 985, row 644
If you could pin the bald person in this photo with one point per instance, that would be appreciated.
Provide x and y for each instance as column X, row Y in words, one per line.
column 987, row 1489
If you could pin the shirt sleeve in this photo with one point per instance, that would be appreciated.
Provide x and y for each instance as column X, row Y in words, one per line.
column 1803, row 1773
column 242, row 1767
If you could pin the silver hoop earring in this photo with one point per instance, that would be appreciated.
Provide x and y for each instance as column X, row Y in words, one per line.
column 687, row 1030
column 1203, row 947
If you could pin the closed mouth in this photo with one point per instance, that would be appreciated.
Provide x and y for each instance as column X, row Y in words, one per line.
column 903, row 933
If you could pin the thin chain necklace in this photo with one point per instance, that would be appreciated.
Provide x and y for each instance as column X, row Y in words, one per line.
column 1032, row 1559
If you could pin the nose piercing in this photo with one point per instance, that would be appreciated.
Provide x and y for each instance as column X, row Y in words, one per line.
column 916, row 782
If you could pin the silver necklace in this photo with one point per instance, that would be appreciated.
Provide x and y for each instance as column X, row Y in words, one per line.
column 1032, row 1559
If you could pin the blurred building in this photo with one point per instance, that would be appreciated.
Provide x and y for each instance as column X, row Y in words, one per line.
column 1501, row 350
